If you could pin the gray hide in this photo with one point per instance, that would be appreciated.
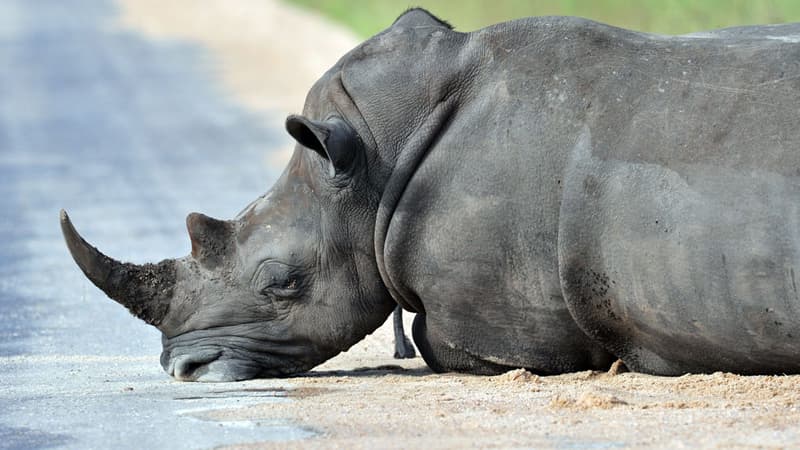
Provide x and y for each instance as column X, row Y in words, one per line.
column 549, row 193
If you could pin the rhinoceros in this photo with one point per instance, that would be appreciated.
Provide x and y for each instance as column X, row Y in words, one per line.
column 549, row 193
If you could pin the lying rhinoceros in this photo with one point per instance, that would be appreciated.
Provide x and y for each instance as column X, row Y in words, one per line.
column 549, row 193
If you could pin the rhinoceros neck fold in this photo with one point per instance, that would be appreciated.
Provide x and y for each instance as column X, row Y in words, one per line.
column 410, row 156
column 146, row 290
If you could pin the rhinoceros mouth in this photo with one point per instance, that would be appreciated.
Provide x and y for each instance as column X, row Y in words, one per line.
column 192, row 367
column 235, row 353
column 221, row 366
column 211, row 363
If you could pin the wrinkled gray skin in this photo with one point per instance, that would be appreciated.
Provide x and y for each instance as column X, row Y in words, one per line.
column 548, row 193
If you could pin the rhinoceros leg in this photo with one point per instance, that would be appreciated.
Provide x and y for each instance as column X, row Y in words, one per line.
column 403, row 348
column 441, row 356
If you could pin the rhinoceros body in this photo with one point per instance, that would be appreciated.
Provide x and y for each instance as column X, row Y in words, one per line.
column 549, row 193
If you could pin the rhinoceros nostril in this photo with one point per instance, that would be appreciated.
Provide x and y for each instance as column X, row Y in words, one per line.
column 186, row 368
column 185, row 371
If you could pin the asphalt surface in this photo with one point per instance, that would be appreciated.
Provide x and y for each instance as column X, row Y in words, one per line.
column 128, row 135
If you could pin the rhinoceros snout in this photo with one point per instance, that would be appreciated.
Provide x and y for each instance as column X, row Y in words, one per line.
column 194, row 367
column 208, row 366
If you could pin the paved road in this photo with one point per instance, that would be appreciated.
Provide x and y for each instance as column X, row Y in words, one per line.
column 128, row 135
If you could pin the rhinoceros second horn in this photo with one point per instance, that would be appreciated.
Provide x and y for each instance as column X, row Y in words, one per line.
column 146, row 290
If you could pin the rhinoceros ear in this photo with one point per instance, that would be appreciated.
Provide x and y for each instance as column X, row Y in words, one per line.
column 334, row 139
column 210, row 239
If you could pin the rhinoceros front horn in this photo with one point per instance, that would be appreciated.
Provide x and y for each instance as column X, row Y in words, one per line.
column 145, row 290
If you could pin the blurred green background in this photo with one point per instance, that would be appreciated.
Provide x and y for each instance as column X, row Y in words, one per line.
column 366, row 17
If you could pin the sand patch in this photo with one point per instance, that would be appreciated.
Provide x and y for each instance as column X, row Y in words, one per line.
column 413, row 407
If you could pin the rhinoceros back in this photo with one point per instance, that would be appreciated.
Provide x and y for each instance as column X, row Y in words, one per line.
column 683, row 270
column 679, row 227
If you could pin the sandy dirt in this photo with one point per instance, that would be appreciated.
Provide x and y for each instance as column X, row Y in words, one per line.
column 412, row 408
column 267, row 55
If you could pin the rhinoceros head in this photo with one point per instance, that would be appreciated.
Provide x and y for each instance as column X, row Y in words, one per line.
column 288, row 283
column 293, row 279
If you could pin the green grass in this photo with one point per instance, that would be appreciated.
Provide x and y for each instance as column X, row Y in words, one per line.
column 366, row 17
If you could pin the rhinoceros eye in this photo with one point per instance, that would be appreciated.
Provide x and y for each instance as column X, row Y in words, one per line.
column 276, row 279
